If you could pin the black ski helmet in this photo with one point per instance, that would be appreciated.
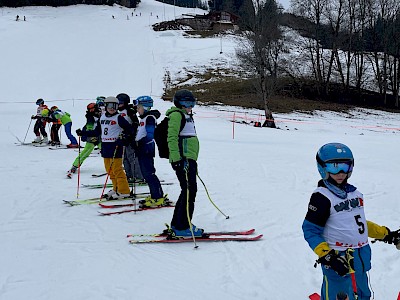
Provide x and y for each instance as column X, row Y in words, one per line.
column 123, row 99
column 183, row 95
column 39, row 101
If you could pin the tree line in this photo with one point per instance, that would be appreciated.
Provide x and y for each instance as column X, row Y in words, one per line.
column 20, row 3
column 348, row 51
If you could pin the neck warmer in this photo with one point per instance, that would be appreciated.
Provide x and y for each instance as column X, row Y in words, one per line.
column 340, row 191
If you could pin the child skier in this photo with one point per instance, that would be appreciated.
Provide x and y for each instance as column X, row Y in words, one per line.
column 110, row 126
column 65, row 119
column 335, row 226
column 146, row 150
column 131, row 163
column 100, row 103
column 183, row 153
column 93, row 113
column 40, row 124
column 55, row 127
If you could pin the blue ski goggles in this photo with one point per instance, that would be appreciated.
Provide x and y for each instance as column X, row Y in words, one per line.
column 187, row 104
column 338, row 167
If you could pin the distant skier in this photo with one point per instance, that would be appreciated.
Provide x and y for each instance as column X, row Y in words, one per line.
column 93, row 113
column 55, row 127
column 335, row 226
column 17, row 18
column 40, row 124
column 65, row 119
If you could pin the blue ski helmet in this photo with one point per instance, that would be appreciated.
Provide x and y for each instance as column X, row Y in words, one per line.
column 100, row 101
column 145, row 101
column 333, row 158
column 184, row 98
column 39, row 101
column 123, row 99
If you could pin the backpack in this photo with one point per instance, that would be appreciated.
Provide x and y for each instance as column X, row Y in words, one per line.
column 161, row 135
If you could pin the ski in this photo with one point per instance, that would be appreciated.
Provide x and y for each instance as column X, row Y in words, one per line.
column 97, row 200
column 199, row 239
column 141, row 208
column 117, row 205
column 109, row 185
column 99, row 175
column 215, row 233
column 24, row 144
column 60, row 147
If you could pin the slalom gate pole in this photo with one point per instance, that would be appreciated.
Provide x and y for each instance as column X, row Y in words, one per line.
column 233, row 125
column 134, row 179
column 79, row 166
column 187, row 207
column 208, row 195
column 23, row 142
column 108, row 173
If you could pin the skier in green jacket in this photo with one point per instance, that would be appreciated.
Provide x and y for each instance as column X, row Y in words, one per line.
column 93, row 114
column 183, row 153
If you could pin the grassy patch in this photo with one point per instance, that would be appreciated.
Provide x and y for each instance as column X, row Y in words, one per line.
column 215, row 87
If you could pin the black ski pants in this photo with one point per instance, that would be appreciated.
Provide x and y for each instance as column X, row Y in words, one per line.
column 180, row 219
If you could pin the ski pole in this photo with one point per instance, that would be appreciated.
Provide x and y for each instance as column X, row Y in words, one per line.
column 226, row 217
column 108, row 173
column 350, row 260
column 23, row 142
column 79, row 166
column 187, row 205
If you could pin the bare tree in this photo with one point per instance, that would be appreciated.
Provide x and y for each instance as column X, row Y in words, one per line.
column 313, row 11
column 260, row 48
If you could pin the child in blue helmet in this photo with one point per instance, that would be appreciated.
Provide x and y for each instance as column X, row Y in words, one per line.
column 336, row 228
column 146, row 150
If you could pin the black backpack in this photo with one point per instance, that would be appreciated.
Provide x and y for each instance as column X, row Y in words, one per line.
column 161, row 135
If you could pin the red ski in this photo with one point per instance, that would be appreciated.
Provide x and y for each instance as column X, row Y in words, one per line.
column 199, row 239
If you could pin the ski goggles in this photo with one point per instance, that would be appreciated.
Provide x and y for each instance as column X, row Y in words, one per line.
column 112, row 105
column 187, row 104
column 338, row 167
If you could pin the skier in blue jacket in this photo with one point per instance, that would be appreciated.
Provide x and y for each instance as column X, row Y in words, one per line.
column 336, row 228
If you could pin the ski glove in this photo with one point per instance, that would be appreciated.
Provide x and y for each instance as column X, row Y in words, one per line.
column 79, row 132
column 393, row 237
column 180, row 165
column 337, row 263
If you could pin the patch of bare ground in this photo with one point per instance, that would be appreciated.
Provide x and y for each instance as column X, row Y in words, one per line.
column 238, row 92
